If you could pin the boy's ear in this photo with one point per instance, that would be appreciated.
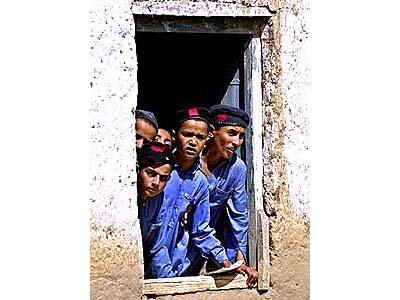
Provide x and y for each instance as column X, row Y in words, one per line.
column 211, row 130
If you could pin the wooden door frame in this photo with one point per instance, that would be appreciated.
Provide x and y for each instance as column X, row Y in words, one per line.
column 258, row 222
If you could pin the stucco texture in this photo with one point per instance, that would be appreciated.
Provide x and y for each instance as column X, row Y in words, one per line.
column 286, row 145
column 116, row 270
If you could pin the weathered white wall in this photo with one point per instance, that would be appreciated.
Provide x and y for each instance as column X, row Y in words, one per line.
column 295, row 91
column 115, row 233
column 204, row 8
column 114, row 93
column 286, row 143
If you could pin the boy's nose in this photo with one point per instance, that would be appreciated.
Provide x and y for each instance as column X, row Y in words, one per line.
column 156, row 181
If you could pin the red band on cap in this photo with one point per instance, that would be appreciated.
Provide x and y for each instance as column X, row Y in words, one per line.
column 222, row 117
column 158, row 148
column 193, row 112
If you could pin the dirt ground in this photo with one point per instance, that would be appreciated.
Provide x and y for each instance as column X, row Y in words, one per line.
column 113, row 269
column 290, row 259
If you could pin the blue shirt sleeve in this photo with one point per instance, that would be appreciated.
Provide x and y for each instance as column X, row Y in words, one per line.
column 159, row 263
column 156, row 255
column 236, row 235
column 202, row 235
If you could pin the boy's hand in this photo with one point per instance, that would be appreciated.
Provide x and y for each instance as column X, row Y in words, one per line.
column 226, row 264
column 252, row 274
column 185, row 216
column 184, row 219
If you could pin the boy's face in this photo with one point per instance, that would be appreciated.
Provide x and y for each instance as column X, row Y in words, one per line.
column 144, row 132
column 227, row 139
column 164, row 137
column 153, row 180
column 191, row 138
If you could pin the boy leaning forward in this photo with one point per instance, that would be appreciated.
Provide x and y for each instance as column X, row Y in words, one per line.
column 186, row 194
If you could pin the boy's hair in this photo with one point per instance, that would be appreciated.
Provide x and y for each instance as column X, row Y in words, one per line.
column 147, row 116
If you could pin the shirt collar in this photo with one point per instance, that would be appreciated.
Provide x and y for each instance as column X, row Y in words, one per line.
column 194, row 167
column 227, row 161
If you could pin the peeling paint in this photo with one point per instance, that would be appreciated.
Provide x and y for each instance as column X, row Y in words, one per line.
column 205, row 8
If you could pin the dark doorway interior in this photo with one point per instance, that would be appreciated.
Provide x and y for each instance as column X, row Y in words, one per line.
column 177, row 71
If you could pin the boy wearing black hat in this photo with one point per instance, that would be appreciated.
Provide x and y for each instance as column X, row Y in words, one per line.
column 155, row 164
column 226, row 174
column 186, row 193
column 146, row 126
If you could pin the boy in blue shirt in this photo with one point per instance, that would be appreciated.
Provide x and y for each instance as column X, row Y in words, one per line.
column 186, row 194
column 155, row 164
column 226, row 174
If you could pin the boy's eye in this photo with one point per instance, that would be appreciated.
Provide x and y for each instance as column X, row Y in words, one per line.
column 201, row 137
column 187, row 134
column 164, row 178
column 232, row 133
column 140, row 137
column 151, row 173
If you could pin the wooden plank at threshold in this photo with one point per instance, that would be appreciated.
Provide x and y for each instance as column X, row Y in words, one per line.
column 190, row 284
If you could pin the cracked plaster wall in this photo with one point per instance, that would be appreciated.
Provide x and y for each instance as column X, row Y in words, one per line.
column 116, row 270
column 286, row 116
column 295, row 91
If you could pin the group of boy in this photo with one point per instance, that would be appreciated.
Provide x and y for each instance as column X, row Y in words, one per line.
column 192, row 193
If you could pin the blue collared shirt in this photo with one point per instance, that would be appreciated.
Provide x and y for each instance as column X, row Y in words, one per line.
column 228, row 197
column 151, row 215
column 228, row 210
column 185, row 192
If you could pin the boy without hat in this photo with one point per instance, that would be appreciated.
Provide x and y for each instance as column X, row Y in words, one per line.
column 165, row 137
column 146, row 127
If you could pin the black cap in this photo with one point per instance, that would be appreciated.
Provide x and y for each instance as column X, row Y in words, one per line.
column 226, row 115
column 148, row 116
column 196, row 113
column 154, row 154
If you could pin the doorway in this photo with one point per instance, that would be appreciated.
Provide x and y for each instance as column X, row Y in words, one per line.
column 181, row 70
